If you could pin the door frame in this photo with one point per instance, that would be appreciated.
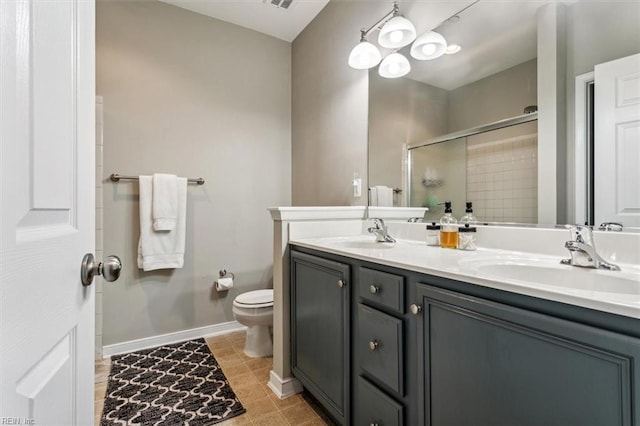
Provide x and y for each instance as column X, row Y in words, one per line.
column 581, row 143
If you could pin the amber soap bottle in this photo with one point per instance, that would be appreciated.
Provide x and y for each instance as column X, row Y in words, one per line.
column 448, row 228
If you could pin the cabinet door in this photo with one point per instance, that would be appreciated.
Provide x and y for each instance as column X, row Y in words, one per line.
column 320, row 330
column 485, row 363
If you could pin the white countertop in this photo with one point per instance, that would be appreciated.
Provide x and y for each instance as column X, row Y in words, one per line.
column 530, row 274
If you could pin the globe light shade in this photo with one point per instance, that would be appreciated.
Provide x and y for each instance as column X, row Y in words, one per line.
column 396, row 33
column 429, row 45
column 393, row 66
column 364, row 55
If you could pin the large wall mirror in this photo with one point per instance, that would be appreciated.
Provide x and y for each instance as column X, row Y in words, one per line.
column 414, row 121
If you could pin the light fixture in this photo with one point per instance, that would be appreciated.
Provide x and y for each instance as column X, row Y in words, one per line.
column 430, row 45
column 364, row 55
column 394, row 65
column 397, row 32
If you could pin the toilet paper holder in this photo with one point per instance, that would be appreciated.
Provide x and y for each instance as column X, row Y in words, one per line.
column 224, row 274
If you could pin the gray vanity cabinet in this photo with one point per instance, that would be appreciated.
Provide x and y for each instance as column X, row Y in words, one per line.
column 320, row 323
column 487, row 363
column 377, row 345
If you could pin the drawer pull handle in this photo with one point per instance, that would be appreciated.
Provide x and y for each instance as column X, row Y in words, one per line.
column 341, row 283
column 374, row 289
column 373, row 345
column 415, row 309
column 373, row 424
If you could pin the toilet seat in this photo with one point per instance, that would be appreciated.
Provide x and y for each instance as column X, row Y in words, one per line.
column 255, row 299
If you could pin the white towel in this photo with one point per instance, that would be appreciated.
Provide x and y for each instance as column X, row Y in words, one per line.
column 165, row 202
column 161, row 250
column 385, row 196
column 373, row 194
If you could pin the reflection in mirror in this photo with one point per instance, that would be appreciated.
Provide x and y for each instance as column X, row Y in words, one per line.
column 404, row 112
column 438, row 174
column 478, row 86
column 494, row 169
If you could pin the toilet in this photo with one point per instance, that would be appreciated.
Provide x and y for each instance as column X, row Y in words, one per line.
column 254, row 309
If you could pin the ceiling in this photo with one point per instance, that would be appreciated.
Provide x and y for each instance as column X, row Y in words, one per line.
column 259, row 15
column 494, row 35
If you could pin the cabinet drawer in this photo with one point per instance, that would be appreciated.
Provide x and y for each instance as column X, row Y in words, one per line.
column 376, row 408
column 380, row 347
column 382, row 288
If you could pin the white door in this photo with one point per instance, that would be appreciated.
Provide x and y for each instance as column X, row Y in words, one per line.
column 47, row 137
column 617, row 142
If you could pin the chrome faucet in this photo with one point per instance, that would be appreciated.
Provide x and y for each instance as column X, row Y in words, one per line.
column 380, row 231
column 611, row 226
column 583, row 250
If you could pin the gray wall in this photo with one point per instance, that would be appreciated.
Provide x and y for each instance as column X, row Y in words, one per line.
column 499, row 96
column 401, row 112
column 330, row 104
column 194, row 96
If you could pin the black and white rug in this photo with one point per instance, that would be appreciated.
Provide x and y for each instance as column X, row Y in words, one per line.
column 179, row 384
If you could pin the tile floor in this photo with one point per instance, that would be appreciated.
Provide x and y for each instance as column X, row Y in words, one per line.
column 248, row 378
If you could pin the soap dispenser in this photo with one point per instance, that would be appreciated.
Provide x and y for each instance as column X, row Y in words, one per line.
column 467, row 237
column 469, row 217
column 448, row 228
column 433, row 234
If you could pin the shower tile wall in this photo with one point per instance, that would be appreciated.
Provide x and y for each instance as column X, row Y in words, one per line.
column 99, row 253
column 502, row 179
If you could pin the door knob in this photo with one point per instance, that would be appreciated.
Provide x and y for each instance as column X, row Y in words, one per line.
column 109, row 269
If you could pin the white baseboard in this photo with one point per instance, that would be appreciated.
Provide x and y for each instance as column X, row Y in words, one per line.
column 178, row 336
column 283, row 388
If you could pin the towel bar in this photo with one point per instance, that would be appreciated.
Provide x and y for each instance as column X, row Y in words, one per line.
column 395, row 190
column 115, row 177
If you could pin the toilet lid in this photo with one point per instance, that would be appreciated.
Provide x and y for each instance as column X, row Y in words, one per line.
column 256, row 297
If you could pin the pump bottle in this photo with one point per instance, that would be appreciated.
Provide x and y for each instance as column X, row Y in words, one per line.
column 469, row 217
column 448, row 228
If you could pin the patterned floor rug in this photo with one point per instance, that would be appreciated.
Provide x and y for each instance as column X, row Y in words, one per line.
column 179, row 384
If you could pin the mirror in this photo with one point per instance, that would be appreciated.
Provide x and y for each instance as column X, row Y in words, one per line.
column 493, row 77
column 493, row 166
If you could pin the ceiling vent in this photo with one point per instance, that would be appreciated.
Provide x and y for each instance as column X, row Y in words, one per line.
column 283, row 4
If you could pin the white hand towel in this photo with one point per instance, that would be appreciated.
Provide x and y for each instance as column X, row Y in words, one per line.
column 161, row 250
column 385, row 196
column 165, row 202
column 373, row 194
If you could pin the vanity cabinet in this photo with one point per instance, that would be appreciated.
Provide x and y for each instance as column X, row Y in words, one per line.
column 320, row 323
column 395, row 347
column 487, row 363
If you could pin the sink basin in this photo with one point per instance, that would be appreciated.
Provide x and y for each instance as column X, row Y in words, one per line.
column 549, row 272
